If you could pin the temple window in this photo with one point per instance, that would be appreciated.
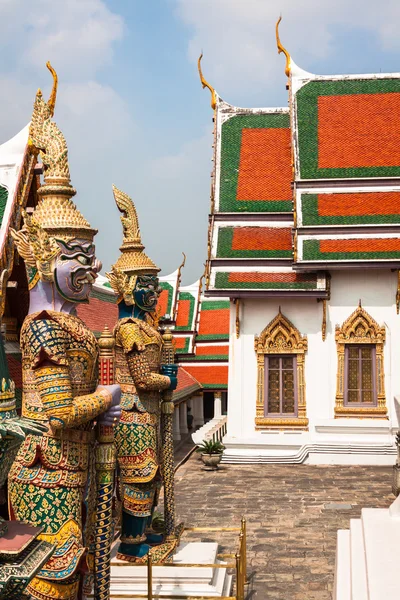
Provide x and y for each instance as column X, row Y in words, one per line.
column 360, row 389
column 280, row 350
column 360, row 375
column 280, row 372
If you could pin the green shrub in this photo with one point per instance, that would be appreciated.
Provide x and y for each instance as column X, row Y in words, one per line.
column 210, row 447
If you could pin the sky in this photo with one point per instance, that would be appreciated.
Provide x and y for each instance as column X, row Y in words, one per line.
column 131, row 106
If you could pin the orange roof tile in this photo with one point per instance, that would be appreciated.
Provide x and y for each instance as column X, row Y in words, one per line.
column 359, row 130
column 209, row 375
column 262, row 238
column 98, row 313
column 265, row 171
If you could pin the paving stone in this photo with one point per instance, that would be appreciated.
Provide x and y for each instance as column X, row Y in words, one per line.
column 291, row 534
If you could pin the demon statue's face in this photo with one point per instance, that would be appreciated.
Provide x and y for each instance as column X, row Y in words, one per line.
column 75, row 269
column 146, row 292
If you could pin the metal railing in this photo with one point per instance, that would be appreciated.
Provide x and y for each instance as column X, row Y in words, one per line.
column 239, row 565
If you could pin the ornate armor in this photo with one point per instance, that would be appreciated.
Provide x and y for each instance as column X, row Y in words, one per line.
column 138, row 347
column 52, row 477
column 137, row 436
column 50, row 474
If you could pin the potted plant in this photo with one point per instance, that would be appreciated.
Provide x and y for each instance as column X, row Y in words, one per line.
column 211, row 454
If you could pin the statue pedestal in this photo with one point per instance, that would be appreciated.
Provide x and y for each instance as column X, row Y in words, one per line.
column 174, row 580
column 22, row 555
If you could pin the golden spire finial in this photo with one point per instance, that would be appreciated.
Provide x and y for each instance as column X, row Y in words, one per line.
column 55, row 213
column 133, row 259
column 205, row 84
column 281, row 48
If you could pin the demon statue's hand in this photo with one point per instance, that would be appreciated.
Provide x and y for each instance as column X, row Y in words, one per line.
column 171, row 372
column 113, row 414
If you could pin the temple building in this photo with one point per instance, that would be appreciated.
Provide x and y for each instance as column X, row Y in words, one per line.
column 304, row 243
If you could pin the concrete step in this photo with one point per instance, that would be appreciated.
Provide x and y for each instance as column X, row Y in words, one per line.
column 381, row 539
column 359, row 585
column 342, row 583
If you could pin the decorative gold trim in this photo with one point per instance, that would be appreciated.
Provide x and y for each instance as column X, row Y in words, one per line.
column 360, row 328
column 205, row 84
column 178, row 284
column 266, row 423
column 281, row 48
column 237, row 321
column 295, row 246
column 199, row 292
column 281, row 337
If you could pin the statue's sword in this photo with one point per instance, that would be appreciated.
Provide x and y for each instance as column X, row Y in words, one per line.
column 167, row 414
column 105, row 469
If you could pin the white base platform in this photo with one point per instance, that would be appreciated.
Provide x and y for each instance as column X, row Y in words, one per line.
column 128, row 580
column 330, row 441
column 368, row 556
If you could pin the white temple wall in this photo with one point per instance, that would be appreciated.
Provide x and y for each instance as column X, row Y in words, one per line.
column 377, row 291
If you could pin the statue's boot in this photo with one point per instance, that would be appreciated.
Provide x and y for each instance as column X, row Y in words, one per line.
column 133, row 546
column 152, row 537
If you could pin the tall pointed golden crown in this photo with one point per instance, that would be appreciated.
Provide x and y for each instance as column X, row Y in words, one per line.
column 133, row 260
column 55, row 212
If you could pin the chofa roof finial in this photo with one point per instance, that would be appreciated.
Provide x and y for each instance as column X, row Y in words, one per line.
column 281, row 48
column 205, row 84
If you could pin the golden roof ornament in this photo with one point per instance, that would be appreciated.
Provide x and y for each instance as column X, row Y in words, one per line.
column 55, row 212
column 282, row 48
column 205, row 84
column 133, row 260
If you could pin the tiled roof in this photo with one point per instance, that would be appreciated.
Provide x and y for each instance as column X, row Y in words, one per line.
column 255, row 162
column 349, row 128
column 187, row 385
column 98, row 313
column 253, row 280
column 212, row 352
column 185, row 311
column 356, row 248
column 3, row 201
column 254, row 242
column 164, row 305
column 214, row 320
column 360, row 207
column 214, row 376
column 182, row 344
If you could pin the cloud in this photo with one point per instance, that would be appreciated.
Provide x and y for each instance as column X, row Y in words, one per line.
column 77, row 36
column 172, row 198
column 238, row 38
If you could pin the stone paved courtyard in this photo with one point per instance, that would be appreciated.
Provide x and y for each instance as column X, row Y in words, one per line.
column 291, row 514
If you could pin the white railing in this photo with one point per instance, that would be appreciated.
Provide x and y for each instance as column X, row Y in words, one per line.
column 213, row 430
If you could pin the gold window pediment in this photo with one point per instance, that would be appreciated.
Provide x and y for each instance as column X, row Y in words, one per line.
column 360, row 329
column 281, row 337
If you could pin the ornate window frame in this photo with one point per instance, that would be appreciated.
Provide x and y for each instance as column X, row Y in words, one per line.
column 280, row 336
column 360, row 328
